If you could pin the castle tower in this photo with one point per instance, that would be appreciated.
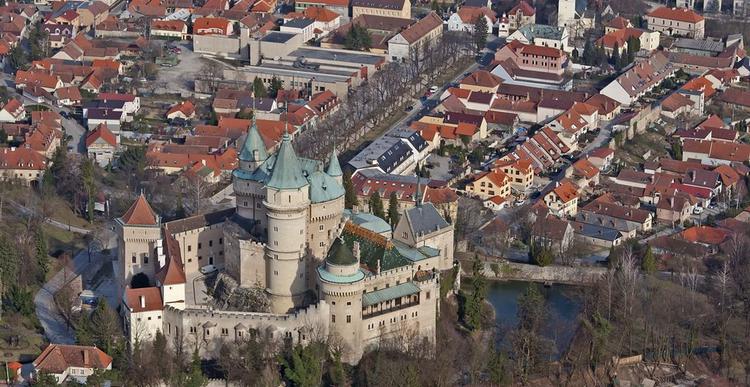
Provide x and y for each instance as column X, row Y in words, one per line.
column 286, row 204
column 170, row 277
column 341, row 285
column 249, row 192
column 566, row 12
column 139, row 237
column 334, row 168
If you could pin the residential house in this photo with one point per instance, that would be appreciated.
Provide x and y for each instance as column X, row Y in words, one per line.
column 524, row 64
column 112, row 118
column 341, row 7
column 391, row 8
column 397, row 153
column 607, row 107
column 213, row 26
column 71, row 363
column 481, row 80
column 648, row 41
column 522, row 14
column 639, row 79
column 171, row 29
column 676, row 22
column 598, row 235
column 12, row 111
column 466, row 17
column 715, row 152
column 616, row 23
column 520, row 173
column 101, row 145
column 584, row 172
column 184, row 110
column 488, row 184
column 302, row 26
column 562, row 199
column 495, row 203
column 552, row 233
column 21, row 164
column 674, row 208
column 601, row 158
column 408, row 43
column 68, row 96
column 604, row 211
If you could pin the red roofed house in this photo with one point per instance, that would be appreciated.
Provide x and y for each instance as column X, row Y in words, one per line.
column 602, row 157
column 562, row 200
column 71, row 362
column 101, row 145
column 488, row 184
column 12, row 111
column 585, row 172
column 715, row 152
column 520, row 172
column 464, row 19
column 532, row 57
column 175, row 29
column 212, row 26
column 520, row 15
column 22, row 164
column 481, row 80
column 676, row 21
column 68, row 96
column 142, row 311
column 184, row 110
column 710, row 237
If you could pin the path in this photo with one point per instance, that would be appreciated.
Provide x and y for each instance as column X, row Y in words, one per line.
column 52, row 222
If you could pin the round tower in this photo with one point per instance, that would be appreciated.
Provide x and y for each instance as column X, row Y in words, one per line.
column 248, row 187
column 341, row 285
column 286, row 204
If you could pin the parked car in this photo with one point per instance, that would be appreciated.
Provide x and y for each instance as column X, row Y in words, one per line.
column 519, row 202
column 409, row 108
column 208, row 269
column 434, row 89
column 697, row 210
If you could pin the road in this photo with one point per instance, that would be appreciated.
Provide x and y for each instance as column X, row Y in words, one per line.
column 51, row 222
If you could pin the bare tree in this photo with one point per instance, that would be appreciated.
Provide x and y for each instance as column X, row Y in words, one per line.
column 211, row 75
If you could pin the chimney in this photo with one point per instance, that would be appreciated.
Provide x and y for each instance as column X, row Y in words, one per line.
column 355, row 250
column 85, row 357
column 142, row 300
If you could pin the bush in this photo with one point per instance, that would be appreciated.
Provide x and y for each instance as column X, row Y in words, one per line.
column 495, row 268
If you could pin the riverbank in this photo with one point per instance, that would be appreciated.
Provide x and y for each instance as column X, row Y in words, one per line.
column 567, row 275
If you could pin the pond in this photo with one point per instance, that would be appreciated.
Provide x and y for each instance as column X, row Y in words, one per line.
column 563, row 303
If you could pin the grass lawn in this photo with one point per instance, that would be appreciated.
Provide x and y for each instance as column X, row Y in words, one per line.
column 64, row 240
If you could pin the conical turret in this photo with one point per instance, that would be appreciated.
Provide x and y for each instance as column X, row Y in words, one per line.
column 254, row 149
column 334, row 168
column 287, row 170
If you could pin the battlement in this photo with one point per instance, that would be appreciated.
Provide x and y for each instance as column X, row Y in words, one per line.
column 204, row 312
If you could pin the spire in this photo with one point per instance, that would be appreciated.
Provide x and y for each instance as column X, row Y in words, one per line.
column 334, row 169
column 140, row 213
column 254, row 148
column 287, row 171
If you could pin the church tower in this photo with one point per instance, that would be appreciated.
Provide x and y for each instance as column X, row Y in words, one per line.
column 566, row 12
column 249, row 192
column 286, row 205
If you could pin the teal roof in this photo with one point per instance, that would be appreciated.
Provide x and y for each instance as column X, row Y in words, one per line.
column 287, row 170
column 340, row 254
column 334, row 169
column 324, row 188
column 368, row 221
column 391, row 293
column 417, row 254
column 327, row 276
column 253, row 143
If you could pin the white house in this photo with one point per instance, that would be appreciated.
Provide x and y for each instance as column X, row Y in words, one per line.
column 71, row 362
column 542, row 35
column 464, row 19
column 301, row 26
column 12, row 111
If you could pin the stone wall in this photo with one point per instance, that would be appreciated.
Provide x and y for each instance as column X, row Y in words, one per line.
column 556, row 274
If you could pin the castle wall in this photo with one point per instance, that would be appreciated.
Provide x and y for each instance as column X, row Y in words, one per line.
column 200, row 247
column 210, row 328
column 245, row 260
column 142, row 326
column 249, row 198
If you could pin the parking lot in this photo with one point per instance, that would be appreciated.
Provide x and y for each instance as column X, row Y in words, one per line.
column 180, row 78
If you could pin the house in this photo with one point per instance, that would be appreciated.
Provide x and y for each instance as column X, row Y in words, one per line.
column 109, row 117
column 71, row 362
column 562, row 199
column 495, row 203
column 12, row 111
column 408, row 43
column 605, row 211
column 736, row 97
column 520, row 172
column 607, row 107
column 676, row 22
column 213, row 26
column 715, row 152
column 584, row 172
column 598, row 235
column 142, row 307
column 184, row 110
column 648, row 40
column 68, row 96
column 302, row 26
column 390, row 8
column 23, row 164
column 616, row 23
column 396, row 153
column 130, row 102
column 674, row 208
column 523, row 64
column 676, row 105
column 466, row 17
column 521, row 15
column 552, row 233
column 101, row 145
column 488, row 184
column 602, row 158
column 341, row 7
column 639, row 79
column 542, row 35
column 171, row 29
column 37, row 78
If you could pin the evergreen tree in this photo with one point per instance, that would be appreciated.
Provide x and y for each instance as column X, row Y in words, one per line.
column 195, row 377
column 17, row 58
column 305, row 368
column 376, row 205
column 589, row 53
column 259, row 89
column 393, row 215
column 350, row 196
column 87, row 174
column 677, row 150
column 41, row 251
column 473, row 303
column 497, row 368
column 480, row 33
column 648, row 264
column 274, row 87
column 614, row 60
column 9, row 263
column 358, row 38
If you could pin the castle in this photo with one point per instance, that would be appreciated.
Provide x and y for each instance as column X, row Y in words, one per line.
column 325, row 271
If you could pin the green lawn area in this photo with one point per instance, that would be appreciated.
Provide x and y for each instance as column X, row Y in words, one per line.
column 64, row 240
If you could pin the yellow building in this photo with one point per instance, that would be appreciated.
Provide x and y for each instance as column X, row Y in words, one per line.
column 489, row 184
column 520, row 172
column 391, row 8
column 562, row 200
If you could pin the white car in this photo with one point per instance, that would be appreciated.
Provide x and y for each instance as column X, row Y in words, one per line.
column 208, row 269
column 434, row 89
column 697, row 210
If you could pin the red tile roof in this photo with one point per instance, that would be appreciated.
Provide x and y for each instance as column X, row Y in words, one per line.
column 677, row 14
column 102, row 132
column 584, row 168
column 209, row 25
column 172, row 272
column 482, row 78
column 168, row 25
column 705, row 235
column 186, row 107
column 524, row 8
column 57, row 358
column 143, row 299
column 140, row 213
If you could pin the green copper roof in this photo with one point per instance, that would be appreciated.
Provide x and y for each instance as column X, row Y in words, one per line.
column 287, row 171
column 334, row 169
column 324, row 188
column 340, row 254
column 390, row 293
column 253, row 143
column 371, row 252
column 368, row 221
column 327, row 276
